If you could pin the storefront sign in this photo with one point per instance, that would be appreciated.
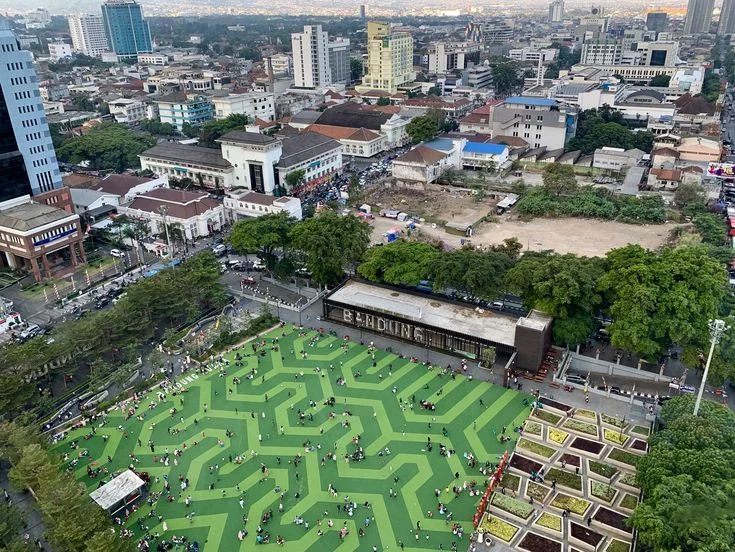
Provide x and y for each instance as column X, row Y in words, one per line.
column 403, row 330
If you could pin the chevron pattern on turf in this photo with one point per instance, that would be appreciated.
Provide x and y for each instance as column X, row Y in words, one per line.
column 378, row 394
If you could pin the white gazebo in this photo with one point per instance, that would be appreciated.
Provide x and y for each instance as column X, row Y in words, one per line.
column 122, row 491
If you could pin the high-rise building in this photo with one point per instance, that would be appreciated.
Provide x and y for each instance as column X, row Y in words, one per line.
column 88, row 34
column 339, row 60
column 27, row 158
column 127, row 32
column 727, row 18
column 311, row 57
column 390, row 58
column 699, row 16
column 556, row 11
column 656, row 21
column 363, row 11
column 602, row 52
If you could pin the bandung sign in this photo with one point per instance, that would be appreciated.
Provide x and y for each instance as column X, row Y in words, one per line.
column 721, row 170
column 395, row 328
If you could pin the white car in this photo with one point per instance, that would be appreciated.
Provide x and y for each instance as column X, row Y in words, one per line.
column 117, row 253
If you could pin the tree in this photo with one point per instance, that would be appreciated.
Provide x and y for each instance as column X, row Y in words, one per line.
column 157, row 127
column 690, row 198
column 263, row 235
column 422, row 128
column 605, row 127
column 12, row 522
column 295, row 178
column 384, row 100
column 106, row 146
column 479, row 273
column 505, row 78
column 82, row 102
column 399, row 262
column 190, row 131
column 108, row 540
column 564, row 286
column 661, row 299
column 559, row 179
column 661, row 81
column 214, row 130
column 331, row 243
column 711, row 228
column 355, row 69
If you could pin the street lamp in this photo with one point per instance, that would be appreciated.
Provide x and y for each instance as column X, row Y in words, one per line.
column 716, row 328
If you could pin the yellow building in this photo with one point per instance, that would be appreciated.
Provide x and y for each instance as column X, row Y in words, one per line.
column 390, row 59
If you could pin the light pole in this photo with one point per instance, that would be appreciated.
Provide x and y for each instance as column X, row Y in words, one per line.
column 164, row 211
column 716, row 328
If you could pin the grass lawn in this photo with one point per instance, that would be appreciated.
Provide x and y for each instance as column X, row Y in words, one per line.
column 383, row 404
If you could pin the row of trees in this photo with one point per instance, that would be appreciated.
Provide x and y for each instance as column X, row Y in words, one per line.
column 605, row 127
column 112, row 338
column 325, row 244
column 655, row 299
column 74, row 523
column 107, row 146
column 688, row 480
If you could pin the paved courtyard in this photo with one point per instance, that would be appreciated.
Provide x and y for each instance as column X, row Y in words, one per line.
column 317, row 427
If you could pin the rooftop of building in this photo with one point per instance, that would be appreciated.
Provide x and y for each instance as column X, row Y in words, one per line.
column 421, row 154
column 192, row 154
column 244, row 137
column 180, row 204
column 490, row 149
column 305, row 146
column 527, row 100
column 120, row 184
column 28, row 216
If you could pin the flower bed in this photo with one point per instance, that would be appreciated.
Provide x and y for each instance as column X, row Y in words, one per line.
column 551, row 403
column 639, row 444
column 612, row 519
column 585, row 535
column 537, row 491
column 584, row 413
column 547, row 416
column 611, row 420
column 557, row 435
column 582, row 427
column 604, row 470
column 623, row 456
column 603, row 491
column 629, row 502
column 534, row 428
column 565, row 478
column 628, row 479
column 575, row 505
column 536, row 543
column 571, row 459
column 614, row 436
column 550, row 521
column 499, row 528
column 641, row 430
column 526, row 465
column 593, row 447
column 510, row 481
column 512, row 505
column 617, row 546
column 535, row 448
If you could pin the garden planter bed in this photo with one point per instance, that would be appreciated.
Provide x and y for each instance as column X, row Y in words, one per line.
column 498, row 528
column 584, row 536
column 581, row 428
column 536, row 543
column 602, row 491
column 556, row 436
column 639, row 445
column 510, row 481
column 612, row 520
column 615, row 437
column 564, row 478
column 629, row 502
column 627, row 480
column 524, row 465
column 612, row 421
column 601, row 471
column 535, row 448
column 504, row 504
column 617, row 546
column 571, row 460
column 549, row 523
column 547, row 417
column 577, row 506
column 537, row 491
column 623, row 457
column 532, row 428
column 641, row 430
column 551, row 403
column 588, row 447
column 586, row 414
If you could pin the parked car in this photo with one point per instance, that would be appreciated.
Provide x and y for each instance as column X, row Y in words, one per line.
column 219, row 250
column 247, row 282
column 102, row 302
column 32, row 330
column 117, row 253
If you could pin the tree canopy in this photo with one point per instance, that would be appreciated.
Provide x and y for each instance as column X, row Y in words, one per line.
column 399, row 262
column 477, row 272
column 106, row 146
column 213, row 130
column 505, row 78
column 559, row 179
column 604, row 127
column 263, row 236
column 422, row 128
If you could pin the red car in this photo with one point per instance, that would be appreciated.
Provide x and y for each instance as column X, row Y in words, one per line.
column 247, row 282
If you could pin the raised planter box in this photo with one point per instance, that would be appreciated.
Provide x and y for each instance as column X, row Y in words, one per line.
column 626, row 481
column 604, row 492
column 501, row 530
column 537, row 491
column 611, row 521
column 564, row 478
column 505, row 505
column 579, row 427
column 586, row 414
column 536, row 543
column 533, row 428
column 639, row 446
column 628, row 502
column 584, row 537
column 551, row 403
column 549, row 523
column 576, row 506
column 623, row 458
column 571, row 460
column 640, row 430
column 616, row 545
column 535, row 449
column 613, row 422
column 588, row 447
column 614, row 437
column 524, row 465
column 556, row 436
column 601, row 471
column 546, row 416
column 510, row 481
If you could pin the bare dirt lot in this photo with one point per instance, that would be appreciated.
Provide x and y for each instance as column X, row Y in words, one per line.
column 589, row 237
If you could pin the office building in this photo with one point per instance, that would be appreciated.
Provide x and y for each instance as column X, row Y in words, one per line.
column 656, row 21
column 253, row 104
column 127, row 32
column 541, row 122
column 311, row 57
column 27, row 158
column 58, row 51
column 479, row 76
column 603, row 52
column 339, row 60
column 699, row 16
column 596, row 18
column 556, row 11
column 363, row 11
column 180, row 108
column 282, row 64
column 447, row 57
column 390, row 59
column 726, row 25
column 659, row 54
column 88, row 34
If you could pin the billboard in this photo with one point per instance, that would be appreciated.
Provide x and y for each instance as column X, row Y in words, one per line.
column 721, row 170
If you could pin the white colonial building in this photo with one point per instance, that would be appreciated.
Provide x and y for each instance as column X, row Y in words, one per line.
column 253, row 104
column 239, row 205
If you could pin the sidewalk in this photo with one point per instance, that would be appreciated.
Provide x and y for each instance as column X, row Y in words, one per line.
column 35, row 527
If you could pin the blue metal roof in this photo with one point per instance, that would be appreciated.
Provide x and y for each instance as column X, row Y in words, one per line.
column 527, row 100
column 491, row 149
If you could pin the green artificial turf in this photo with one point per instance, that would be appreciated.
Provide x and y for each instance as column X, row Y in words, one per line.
column 380, row 416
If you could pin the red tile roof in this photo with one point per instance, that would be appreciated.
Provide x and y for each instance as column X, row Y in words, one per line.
column 422, row 154
column 120, row 184
column 180, row 204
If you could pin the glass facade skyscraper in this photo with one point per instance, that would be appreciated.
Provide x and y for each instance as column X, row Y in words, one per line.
column 127, row 32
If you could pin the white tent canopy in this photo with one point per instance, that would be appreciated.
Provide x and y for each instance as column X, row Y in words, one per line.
column 117, row 490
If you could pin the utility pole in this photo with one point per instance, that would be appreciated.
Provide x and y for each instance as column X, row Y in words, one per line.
column 716, row 328
column 163, row 209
